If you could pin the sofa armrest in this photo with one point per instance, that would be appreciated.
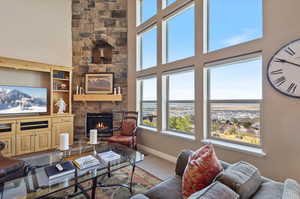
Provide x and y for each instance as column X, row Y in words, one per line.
column 182, row 161
column 139, row 196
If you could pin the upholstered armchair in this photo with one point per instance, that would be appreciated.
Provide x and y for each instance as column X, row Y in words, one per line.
column 127, row 132
column 10, row 168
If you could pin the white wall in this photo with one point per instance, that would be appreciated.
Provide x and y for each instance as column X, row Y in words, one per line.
column 36, row 30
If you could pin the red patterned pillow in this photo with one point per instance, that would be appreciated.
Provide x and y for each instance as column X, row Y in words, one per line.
column 202, row 168
column 128, row 127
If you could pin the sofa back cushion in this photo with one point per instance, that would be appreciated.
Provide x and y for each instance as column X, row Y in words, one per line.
column 203, row 166
column 241, row 177
column 215, row 190
column 291, row 189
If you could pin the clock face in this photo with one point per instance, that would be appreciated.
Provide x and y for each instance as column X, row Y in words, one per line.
column 284, row 70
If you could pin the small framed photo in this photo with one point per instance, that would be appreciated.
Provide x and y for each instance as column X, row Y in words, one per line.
column 101, row 83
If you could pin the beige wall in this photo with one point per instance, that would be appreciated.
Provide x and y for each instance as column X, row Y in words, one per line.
column 36, row 30
column 281, row 114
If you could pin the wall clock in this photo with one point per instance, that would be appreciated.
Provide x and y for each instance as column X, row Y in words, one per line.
column 284, row 69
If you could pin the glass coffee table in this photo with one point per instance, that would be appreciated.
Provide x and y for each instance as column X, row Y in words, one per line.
column 37, row 184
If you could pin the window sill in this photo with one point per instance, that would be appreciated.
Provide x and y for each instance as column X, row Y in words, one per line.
column 236, row 147
column 148, row 128
column 181, row 135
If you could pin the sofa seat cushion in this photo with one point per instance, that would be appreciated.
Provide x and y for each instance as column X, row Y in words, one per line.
column 170, row 188
column 215, row 190
column 241, row 177
column 269, row 190
column 203, row 166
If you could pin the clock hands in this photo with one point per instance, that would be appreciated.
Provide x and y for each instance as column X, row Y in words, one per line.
column 286, row 61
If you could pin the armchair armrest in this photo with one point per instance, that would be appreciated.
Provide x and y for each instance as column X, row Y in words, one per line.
column 182, row 161
column 139, row 196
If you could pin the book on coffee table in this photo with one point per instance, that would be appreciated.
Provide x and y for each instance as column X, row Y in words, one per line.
column 86, row 162
column 109, row 156
column 52, row 171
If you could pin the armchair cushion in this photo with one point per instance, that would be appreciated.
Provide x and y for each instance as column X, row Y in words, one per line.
column 128, row 127
column 202, row 168
column 125, row 140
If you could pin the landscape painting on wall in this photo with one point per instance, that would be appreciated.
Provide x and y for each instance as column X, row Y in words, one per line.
column 22, row 100
column 101, row 83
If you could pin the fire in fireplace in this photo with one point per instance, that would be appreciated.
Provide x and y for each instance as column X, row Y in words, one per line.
column 103, row 122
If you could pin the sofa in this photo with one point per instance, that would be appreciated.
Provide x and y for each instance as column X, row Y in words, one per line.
column 171, row 188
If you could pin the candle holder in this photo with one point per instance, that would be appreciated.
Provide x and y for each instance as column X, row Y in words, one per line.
column 94, row 147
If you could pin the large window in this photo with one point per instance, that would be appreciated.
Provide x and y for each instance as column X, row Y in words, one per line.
column 147, row 49
column 180, row 112
column 177, row 72
column 180, row 34
column 232, row 22
column 146, row 9
column 147, row 101
column 234, row 100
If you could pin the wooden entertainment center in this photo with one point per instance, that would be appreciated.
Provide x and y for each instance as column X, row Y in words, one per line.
column 25, row 134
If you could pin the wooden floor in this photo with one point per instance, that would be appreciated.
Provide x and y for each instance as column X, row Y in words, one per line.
column 158, row 167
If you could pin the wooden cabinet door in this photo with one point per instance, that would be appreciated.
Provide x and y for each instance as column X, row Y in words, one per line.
column 9, row 145
column 42, row 141
column 25, row 143
column 59, row 128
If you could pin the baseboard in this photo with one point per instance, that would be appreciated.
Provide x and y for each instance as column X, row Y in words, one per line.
column 159, row 154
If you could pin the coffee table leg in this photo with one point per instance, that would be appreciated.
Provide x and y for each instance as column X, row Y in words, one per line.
column 94, row 187
column 131, row 179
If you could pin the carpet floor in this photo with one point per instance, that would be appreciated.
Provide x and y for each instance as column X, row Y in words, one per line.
column 142, row 182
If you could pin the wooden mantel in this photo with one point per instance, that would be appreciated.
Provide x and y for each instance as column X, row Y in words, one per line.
column 95, row 97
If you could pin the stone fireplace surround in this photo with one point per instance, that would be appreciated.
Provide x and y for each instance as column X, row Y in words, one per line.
column 95, row 22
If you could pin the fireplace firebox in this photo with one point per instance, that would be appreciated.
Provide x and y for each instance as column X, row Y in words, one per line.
column 103, row 122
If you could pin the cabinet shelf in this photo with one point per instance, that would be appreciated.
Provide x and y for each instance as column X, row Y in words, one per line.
column 61, row 91
column 107, row 98
column 61, row 79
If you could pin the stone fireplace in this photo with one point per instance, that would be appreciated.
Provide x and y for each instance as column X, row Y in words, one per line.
column 99, row 31
column 103, row 122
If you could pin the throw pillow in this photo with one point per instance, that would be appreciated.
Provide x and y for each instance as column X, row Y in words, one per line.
column 203, row 166
column 241, row 177
column 215, row 190
column 128, row 127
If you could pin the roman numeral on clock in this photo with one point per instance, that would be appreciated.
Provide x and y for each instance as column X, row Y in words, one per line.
column 290, row 51
column 277, row 72
column 292, row 88
column 279, row 81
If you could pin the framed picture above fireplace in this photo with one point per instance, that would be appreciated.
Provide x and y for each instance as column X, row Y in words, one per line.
column 101, row 83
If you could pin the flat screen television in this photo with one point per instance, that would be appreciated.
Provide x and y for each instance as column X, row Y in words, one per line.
column 22, row 100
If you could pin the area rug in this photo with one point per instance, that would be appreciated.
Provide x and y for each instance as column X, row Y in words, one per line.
column 142, row 182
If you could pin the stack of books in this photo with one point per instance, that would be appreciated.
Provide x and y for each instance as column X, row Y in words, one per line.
column 86, row 162
column 109, row 157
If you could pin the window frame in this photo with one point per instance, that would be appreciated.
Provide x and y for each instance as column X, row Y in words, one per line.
column 206, row 28
column 208, row 67
column 139, row 47
column 141, row 101
column 166, row 105
column 165, row 32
